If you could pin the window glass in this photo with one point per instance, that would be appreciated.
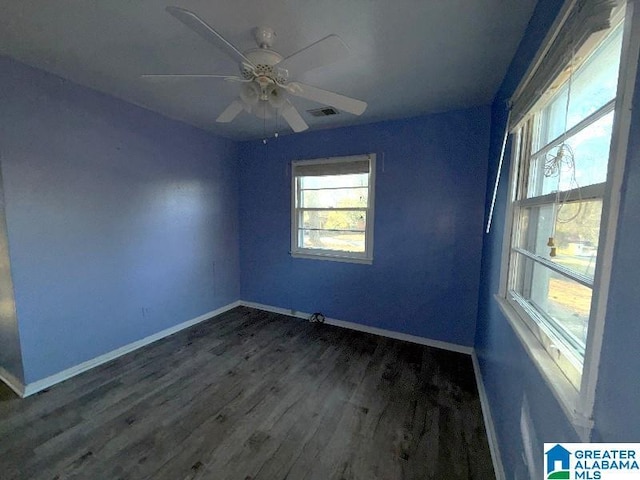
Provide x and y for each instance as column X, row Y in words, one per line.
column 563, row 302
column 589, row 149
column 592, row 86
column 331, row 240
column 354, row 220
column 575, row 238
column 335, row 181
column 344, row 197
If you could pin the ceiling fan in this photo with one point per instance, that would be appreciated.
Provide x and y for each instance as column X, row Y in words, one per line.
column 265, row 75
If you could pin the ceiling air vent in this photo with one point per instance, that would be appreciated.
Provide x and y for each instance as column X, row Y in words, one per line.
column 323, row 112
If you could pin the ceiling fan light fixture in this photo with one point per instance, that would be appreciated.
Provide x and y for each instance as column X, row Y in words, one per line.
column 250, row 93
column 277, row 96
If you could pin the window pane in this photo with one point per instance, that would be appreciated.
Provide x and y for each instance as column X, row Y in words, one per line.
column 590, row 151
column 552, row 120
column 333, row 181
column 577, row 229
column 536, row 226
column 596, row 82
column 564, row 302
column 577, row 234
column 330, row 240
column 340, row 198
column 334, row 220
column 593, row 85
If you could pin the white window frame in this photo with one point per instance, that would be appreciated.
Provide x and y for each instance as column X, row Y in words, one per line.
column 365, row 257
column 578, row 403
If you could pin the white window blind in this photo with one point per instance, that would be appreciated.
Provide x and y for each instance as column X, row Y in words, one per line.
column 581, row 21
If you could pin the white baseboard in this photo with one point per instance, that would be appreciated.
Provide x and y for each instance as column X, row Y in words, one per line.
column 488, row 421
column 454, row 347
column 47, row 382
column 12, row 382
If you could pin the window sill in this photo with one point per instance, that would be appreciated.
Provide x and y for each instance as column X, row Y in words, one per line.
column 333, row 258
column 566, row 394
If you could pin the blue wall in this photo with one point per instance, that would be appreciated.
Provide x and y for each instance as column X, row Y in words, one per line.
column 120, row 222
column 427, row 231
column 514, row 386
column 512, row 381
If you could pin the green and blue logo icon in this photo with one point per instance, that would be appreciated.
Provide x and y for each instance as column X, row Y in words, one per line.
column 558, row 460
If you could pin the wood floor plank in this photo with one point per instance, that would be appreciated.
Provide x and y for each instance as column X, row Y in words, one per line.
column 252, row 395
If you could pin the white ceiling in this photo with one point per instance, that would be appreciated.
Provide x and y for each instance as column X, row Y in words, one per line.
column 408, row 57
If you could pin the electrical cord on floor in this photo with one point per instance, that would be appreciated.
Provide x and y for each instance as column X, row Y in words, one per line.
column 317, row 318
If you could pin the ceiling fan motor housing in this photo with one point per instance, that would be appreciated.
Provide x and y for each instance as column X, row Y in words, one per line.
column 265, row 62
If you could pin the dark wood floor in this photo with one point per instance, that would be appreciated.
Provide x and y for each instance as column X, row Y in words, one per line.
column 254, row 395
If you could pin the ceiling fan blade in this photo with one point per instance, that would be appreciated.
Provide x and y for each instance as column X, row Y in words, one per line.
column 231, row 112
column 293, row 118
column 195, row 23
column 179, row 76
column 325, row 97
column 328, row 50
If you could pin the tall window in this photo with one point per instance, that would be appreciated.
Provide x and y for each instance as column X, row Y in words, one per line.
column 332, row 208
column 562, row 158
column 570, row 122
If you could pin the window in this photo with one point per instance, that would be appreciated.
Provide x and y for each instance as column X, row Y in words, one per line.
column 562, row 154
column 332, row 208
column 569, row 122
